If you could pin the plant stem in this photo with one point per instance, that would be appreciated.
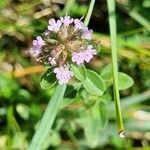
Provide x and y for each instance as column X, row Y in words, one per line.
column 48, row 118
column 89, row 13
column 113, row 34
column 68, row 5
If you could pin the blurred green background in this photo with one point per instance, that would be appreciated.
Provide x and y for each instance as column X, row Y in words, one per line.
column 23, row 101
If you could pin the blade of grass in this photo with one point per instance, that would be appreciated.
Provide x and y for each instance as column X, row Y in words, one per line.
column 140, row 19
column 113, row 35
column 135, row 99
column 89, row 13
column 134, row 31
column 132, row 100
column 136, row 16
column 48, row 118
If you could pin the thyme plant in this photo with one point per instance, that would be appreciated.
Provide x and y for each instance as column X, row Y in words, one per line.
column 65, row 48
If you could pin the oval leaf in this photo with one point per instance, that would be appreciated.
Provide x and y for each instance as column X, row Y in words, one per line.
column 23, row 110
column 48, row 79
column 124, row 81
column 103, row 115
column 99, row 113
column 106, row 75
column 94, row 84
column 79, row 72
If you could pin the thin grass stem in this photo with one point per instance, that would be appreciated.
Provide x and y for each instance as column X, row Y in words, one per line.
column 89, row 13
column 113, row 35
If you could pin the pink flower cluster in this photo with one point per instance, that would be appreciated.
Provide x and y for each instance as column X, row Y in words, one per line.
column 66, row 21
column 63, row 74
column 62, row 37
column 85, row 55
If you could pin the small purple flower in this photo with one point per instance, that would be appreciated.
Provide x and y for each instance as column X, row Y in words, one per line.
column 85, row 55
column 35, row 52
column 52, row 61
column 54, row 25
column 87, row 34
column 38, row 43
column 78, row 58
column 63, row 74
column 78, row 24
column 88, row 53
column 67, row 20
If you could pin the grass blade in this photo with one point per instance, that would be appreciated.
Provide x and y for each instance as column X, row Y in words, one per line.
column 136, row 16
column 48, row 118
column 89, row 13
column 113, row 34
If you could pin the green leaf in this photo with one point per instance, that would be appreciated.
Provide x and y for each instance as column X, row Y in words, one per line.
column 106, row 70
column 94, row 84
column 79, row 72
column 53, row 139
column 48, row 118
column 100, row 114
column 91, row 131
column 94, row 121
column 66, row 102
column 106, row 75
column 146, row 3
column 48, row 79
column 70, row 92
column 103, row 115
column 19, row 140
column 124, row 81
column 23, row 110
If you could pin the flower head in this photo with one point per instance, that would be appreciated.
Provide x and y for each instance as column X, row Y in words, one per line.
column 54, row 25
column 63, row 74
column 66, row 41
column 67, row 20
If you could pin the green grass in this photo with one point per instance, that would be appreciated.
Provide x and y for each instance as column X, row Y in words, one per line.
column 113, row 35
column 48, row 118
